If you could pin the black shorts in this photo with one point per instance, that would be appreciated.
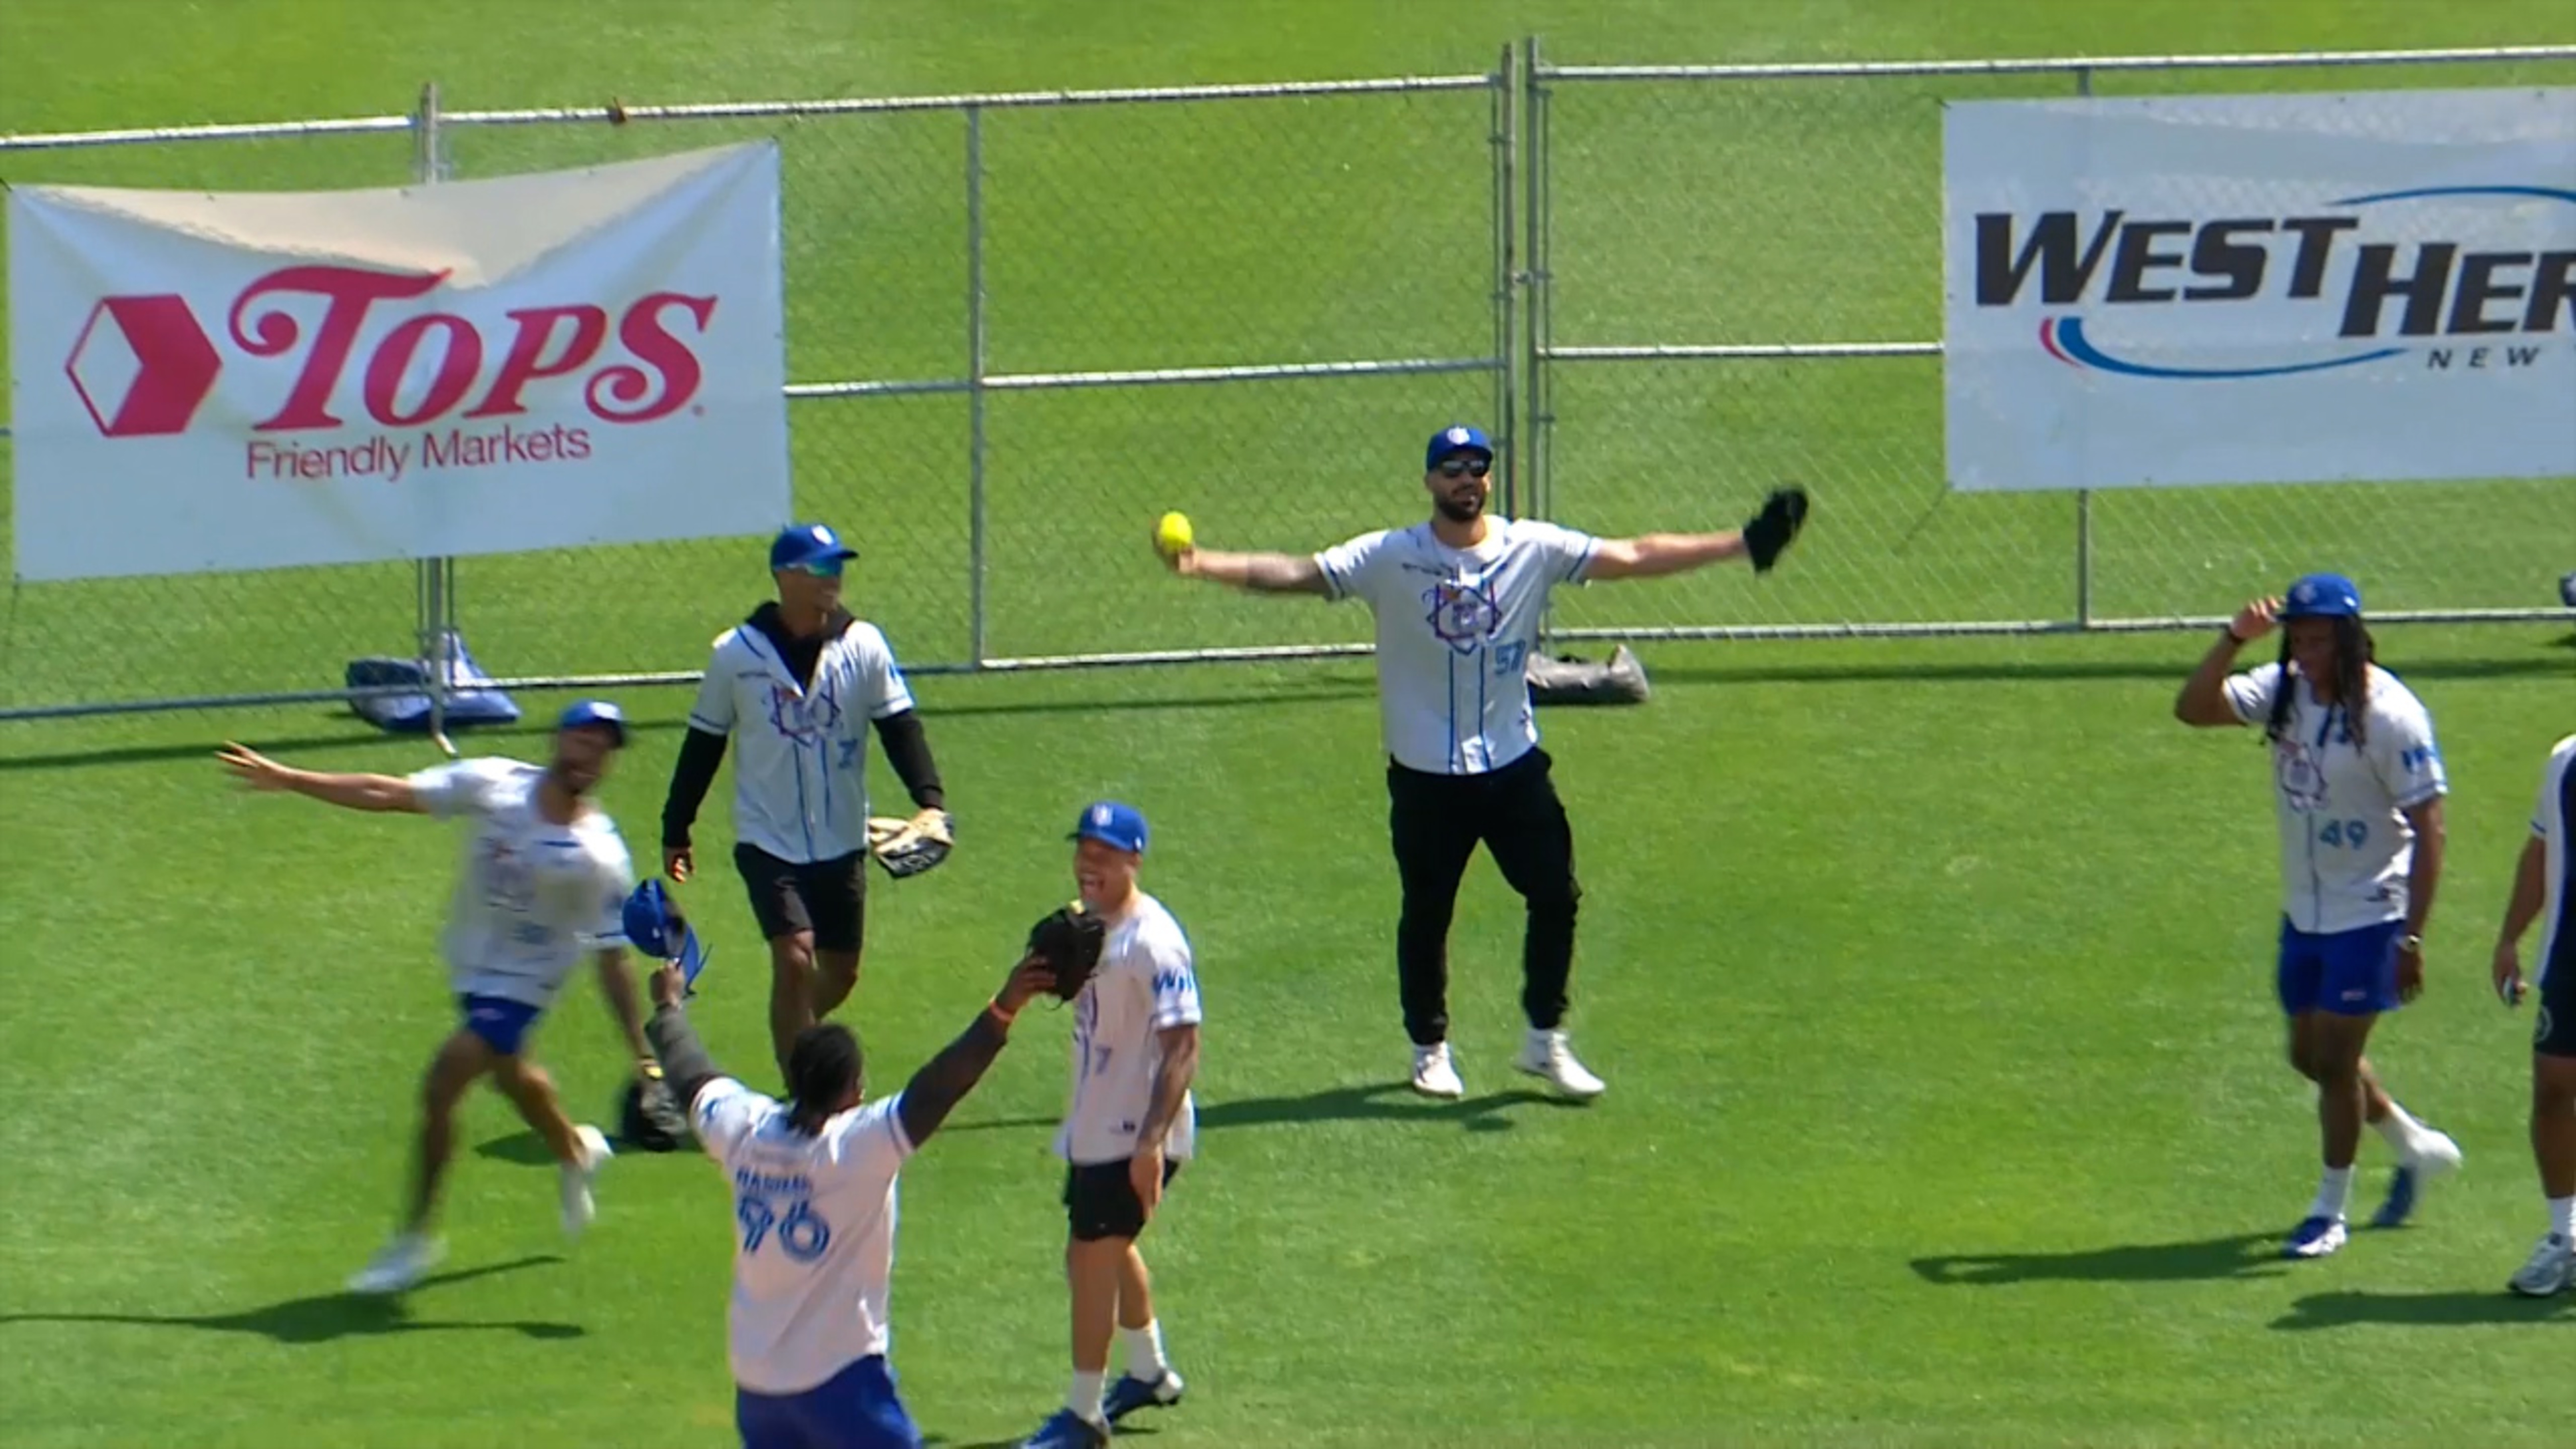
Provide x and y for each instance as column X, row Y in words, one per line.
column 2553, row 1028
column 826, row 897
column 1100, row 1201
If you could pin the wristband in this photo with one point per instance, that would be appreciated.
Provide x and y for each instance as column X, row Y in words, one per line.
column 994, row 1009
column 2410, row 943
column 2229, row 629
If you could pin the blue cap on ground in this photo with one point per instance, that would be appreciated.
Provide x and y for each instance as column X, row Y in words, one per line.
column 595, row 712
column 1118, row 826
column 2322, row 596
column 1458, row 438
column 655, row 927
column 800, row 545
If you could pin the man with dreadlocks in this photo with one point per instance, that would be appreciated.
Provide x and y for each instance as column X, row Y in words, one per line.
column 2360, row 784
column 814, row 1213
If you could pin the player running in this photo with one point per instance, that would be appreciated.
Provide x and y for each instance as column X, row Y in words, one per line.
column 1458, row 600
column 543, row 880
column 2359, row 783
column 813, row 1182
column 1127, row 1129
column 2541, row 892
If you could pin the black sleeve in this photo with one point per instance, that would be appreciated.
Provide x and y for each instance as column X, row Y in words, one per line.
column 908, row 750
column 945, row 1079
column 700, row 753
column 686, row 1067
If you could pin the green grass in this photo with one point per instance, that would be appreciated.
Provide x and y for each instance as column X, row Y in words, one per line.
column 1932, row 981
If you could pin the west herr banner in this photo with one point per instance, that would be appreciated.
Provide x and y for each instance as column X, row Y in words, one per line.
column 259, row 380
column 2260, row 289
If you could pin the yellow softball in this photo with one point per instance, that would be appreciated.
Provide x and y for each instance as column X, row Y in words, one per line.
column 1172, row 534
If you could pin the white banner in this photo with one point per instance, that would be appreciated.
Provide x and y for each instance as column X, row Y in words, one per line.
column 2260, row 289
column 247, row 381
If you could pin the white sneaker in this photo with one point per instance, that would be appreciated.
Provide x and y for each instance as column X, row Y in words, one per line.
column 1433, row 1076
column 578, row 1209
column 398, row 1264
column 1548, row 1056
column 2433, row 1154
column 2551, row 1269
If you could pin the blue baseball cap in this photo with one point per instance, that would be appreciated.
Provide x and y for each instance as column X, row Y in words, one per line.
column 1458, row 438
column 655, row 927
column 2322, row 596
column 595, row 712
column 1118, row 826
column 802, row 545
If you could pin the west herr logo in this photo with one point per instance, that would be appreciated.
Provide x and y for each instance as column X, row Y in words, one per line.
column 2382, row 291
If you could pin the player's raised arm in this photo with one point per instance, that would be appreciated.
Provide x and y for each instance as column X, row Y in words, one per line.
column 1762, row 539
column 388, row 793
column 2203, row 699
column 945, row 1079
column 1259, row 573
column 685, row 1063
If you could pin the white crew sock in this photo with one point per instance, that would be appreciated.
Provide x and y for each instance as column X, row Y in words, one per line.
column 2562, row 1217
column 2399, row 1130
column 1084, row 1397
column 1145, row 1352
column 2333, row 1191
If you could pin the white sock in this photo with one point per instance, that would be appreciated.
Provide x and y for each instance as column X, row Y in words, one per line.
column 2333, row 1191
column 1084, row 1397
column 2562, row 1217
column 1145, row 1352
column 2399, row 1130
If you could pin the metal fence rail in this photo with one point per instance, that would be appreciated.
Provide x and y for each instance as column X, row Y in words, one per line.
column 1023, row 323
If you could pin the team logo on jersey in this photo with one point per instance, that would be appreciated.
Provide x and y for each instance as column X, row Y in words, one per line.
column 1463, row 614
column 805, row 718
column 507, row 883
column 2301, row 774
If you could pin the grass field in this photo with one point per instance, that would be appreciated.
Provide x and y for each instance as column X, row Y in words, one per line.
column 1931, row 981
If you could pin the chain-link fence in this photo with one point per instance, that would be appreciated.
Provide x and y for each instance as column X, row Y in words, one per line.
column 1736, row 279
column 1020, row 326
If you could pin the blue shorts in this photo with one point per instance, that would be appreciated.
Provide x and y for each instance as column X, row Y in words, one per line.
column 501, row 1022
column 853, row 1409
column 2350, row 973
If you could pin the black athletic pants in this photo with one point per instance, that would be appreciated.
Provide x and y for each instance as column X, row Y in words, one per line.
column 1437, row 821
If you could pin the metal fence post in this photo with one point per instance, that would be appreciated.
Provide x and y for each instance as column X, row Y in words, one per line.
column 979, row 647
column 436, row 576
column 1534, row 261
column 1506, row 283
column 2084, row 496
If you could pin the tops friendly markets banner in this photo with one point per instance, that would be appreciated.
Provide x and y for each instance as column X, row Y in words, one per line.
column 2260, row 289
column 244, row 381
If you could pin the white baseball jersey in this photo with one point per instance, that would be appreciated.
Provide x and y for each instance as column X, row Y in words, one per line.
column 800, row 770
column 1454, row 632
column 814, row 1221
column 2345, row 843
column 1145, row 982
column 2550, row 820
column 531, row 896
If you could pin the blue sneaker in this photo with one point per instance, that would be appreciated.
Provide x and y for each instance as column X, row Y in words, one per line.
column 1067, row 1430
column 2400, row 1204
column 2314, row 1238
column 2433, row 1155
column 1131, row 1393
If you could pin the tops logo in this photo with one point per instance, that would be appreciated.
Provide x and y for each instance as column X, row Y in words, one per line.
column 2429, row 288
column 176, row 364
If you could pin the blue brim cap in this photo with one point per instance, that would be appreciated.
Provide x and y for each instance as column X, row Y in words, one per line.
column 655, row 926
column 595, row 712
column 1458, row 438
column 2322, row 596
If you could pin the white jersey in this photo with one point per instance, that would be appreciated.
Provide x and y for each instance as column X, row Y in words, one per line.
column 1145, row 982
column 814, row 1221
column 800, row 770
column 2345, row 843
column 2550, row 820
column 531, row 896
column 1455, row 628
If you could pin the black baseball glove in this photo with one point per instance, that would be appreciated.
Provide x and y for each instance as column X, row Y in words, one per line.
column 1070, row 940
column 1767, row 534
column 650, row 1115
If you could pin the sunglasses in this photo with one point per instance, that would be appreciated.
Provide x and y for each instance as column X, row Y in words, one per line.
column 829, row 568
column 1475, row 467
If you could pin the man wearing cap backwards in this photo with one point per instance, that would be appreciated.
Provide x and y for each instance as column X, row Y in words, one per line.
column 543, row 880
column 1128, row 1127
column 798, row 682
column 1458, row 601
column 2359, row 786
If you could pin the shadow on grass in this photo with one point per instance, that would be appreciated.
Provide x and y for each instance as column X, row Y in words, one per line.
column 2423, row 1310
column 1371, row 1102
column 2245, row 1255
column 327, row 1317
column 2058, row 671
